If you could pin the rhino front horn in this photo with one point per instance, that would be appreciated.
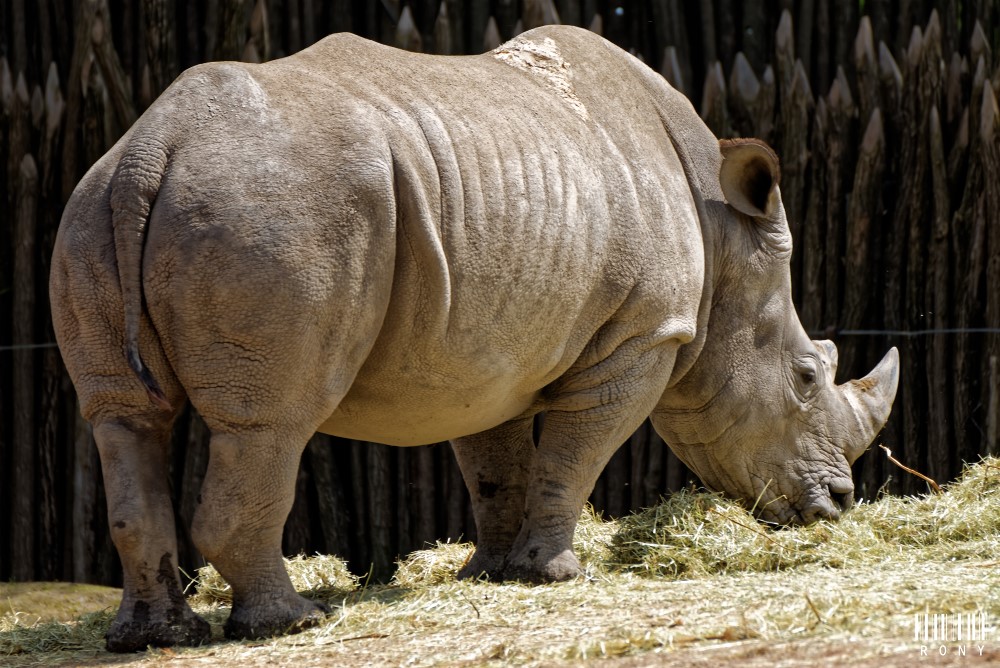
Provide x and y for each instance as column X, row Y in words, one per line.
column 870, row 399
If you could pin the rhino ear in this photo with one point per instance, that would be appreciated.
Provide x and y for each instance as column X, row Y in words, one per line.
column 749, row 176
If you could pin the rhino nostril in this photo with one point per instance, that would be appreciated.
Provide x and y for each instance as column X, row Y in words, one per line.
column 842, row 498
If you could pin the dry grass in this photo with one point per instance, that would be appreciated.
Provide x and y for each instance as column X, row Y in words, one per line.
column 323, row 576
column 694, row 534
column 692, row 575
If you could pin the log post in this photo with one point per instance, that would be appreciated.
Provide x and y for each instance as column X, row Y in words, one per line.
column 295, row 534
column 402, row 522
column 891, row 84
column 989, row 136
column 864, row 205
column 442, row 32
column 85, row 13
column 330, row 501
column 231, row 32
column 195, row 442
column 86, row 511
column 161, row 52
column 422, row 496
column 713, row 102
column 491, row 37
column 358, row 485
column 839, row 156
column 380, row 509
column 258, row 46
column 940, row 436
column 706, row 15
column 671, row 69
column 866, row 70
column 744, row 91
column 52, row 558
column 795, row 161
column 539, row 13
column 955, row 83
column 754, row 31
column 54, row 107
column 407, row 35
column 969, row 239
column 23, row 461
column 117, row 84
column 456, row 495
column 814, row 230
column 507, row 17
column 926, row 81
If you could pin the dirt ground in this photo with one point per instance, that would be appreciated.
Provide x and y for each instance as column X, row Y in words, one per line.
column 861, row 618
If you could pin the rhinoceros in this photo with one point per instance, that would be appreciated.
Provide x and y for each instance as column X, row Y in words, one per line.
column 406, row 249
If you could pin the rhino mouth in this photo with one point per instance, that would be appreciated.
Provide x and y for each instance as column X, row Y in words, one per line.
column 826, row 501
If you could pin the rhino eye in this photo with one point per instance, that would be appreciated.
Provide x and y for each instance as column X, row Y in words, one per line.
column 805, row 377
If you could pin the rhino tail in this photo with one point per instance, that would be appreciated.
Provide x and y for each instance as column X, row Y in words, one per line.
column 134, row 187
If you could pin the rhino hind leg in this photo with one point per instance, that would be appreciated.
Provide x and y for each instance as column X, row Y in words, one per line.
column 153, row 609
column 245, row 499
column 496, row 464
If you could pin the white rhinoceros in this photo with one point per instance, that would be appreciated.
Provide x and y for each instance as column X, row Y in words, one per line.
column 406, row 248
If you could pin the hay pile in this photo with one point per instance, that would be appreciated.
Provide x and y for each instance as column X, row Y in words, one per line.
column 23, row 633
column 700, row 534
column 696, row 534
column 322, row 576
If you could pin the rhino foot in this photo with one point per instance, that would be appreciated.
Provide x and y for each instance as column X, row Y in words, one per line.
column 531, row 566
column 130, row 635
column 483, row 564
column 274, row 618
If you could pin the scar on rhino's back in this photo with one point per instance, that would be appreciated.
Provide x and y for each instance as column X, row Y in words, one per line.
column 542, row 59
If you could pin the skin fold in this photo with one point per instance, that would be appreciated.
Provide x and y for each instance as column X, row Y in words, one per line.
column 405, row 249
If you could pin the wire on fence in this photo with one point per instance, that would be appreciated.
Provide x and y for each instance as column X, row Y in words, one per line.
column 833, row 331
column 28, row 346
column 827, row 332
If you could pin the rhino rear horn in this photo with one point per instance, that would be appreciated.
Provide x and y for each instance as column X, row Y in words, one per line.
column 749, row 176
column 871, row 399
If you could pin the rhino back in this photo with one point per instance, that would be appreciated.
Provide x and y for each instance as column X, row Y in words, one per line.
column 462, row 227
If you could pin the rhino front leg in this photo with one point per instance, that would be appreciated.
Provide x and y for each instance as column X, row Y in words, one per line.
column 591, row 412
column 245, row 499
column 496, row 464
column 153, row 610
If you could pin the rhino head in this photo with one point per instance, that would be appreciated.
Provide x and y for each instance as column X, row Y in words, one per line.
column 752, row 407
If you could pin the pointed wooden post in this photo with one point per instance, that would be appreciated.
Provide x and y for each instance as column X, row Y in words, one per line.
column 407, row 35
column 866, row 70
column 744, row 88
column 813, row 226
column 940, row 300
column 795, row 162
column 24, row 506
column 539, row 13
column 671, row 69
column 713, row 102
column 491, row 38
column 442, row 32
column 840, row 155
column 989, row 137
column 864, row 205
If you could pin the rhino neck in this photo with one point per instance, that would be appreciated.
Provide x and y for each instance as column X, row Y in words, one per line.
column 689, row 141
column 698, row 151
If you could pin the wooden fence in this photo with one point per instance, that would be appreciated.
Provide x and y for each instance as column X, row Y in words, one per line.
column 887, row 125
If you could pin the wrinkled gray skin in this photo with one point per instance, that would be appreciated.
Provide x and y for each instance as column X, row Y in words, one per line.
column 407, row 249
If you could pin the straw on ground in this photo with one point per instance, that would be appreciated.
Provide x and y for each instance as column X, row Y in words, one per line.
column 696, row 573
